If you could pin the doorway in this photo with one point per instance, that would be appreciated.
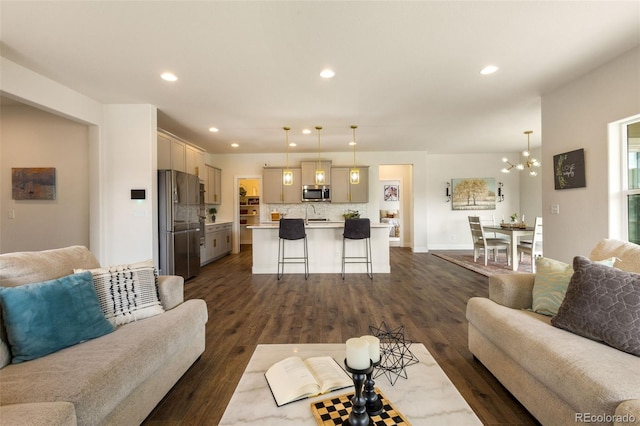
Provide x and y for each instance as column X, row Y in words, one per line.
column 395, row 205
column 247, row 210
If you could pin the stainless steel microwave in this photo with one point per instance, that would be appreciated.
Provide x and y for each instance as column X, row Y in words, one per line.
column 316, row 193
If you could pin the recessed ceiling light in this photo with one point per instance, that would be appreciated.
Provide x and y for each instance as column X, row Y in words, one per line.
column 235, row 145
column 489, row 69
column 167, row 76
column 293, row 144
column 213, row 129
column 352, row 143
column 327, row 73
column 306, row 131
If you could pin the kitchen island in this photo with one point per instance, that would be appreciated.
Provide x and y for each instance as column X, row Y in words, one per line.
column 324, row 240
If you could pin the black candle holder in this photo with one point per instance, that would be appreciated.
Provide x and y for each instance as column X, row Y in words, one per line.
column 373, row 400
column 358, row 415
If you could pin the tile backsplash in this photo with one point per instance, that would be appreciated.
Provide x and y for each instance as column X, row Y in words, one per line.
column 328, row 211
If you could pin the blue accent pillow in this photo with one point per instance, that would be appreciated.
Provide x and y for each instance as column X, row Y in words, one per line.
column 42, row 318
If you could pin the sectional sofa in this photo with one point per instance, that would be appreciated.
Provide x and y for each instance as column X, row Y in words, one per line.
column 560, row 376
column 117, row 378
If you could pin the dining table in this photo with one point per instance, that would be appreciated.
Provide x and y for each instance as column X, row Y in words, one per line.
column 514, row 233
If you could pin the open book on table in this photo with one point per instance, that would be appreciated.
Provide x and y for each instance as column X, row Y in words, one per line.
column 293, row 379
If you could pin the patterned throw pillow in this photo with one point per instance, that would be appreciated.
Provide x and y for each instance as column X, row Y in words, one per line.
column 551, row 282
column 127, row 292
column 602, row 304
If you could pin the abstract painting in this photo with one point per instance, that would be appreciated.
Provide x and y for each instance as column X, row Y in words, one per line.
column 33, row 183
column 391, row 193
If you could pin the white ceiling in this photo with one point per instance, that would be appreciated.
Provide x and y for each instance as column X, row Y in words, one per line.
column 407, row 73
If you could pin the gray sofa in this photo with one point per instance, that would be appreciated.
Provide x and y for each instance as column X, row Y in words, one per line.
column 114, row 379
column 560, row 377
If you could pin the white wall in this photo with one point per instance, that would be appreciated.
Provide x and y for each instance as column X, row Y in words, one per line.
column 449, row 229
column 35, row 138
column 576, row 116
column 130, row 162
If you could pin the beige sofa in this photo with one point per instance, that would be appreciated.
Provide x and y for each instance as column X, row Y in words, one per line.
column 115, row 379
column 560, row 377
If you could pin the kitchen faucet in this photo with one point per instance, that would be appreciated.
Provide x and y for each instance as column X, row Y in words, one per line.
column 306, row 213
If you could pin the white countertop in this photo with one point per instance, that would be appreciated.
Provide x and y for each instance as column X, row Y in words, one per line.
column 222, row 222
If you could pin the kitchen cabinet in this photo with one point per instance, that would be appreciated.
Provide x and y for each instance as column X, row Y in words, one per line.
column 213, row 185
column 343, row 191
column 194, row 160
column 217, row 241
column 175, row 154
column 309, row 172
column 273, row 190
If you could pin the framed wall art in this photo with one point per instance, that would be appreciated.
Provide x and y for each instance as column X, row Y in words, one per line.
column 473, row 194
column 33, row 183
column 391, row 193
column 568, row 169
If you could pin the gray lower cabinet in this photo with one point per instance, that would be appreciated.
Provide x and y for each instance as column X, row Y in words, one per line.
column 217, row 241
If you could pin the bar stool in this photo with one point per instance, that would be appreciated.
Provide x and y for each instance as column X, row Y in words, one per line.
column 292, row 229
column 357, row 229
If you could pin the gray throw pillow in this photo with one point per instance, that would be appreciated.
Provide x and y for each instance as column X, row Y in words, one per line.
column 603, row 304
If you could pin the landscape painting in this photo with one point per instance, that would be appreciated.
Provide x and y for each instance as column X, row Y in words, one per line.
column 33, row 183
column 473, row 194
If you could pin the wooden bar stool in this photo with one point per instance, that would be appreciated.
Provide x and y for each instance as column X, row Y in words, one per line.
column 292, row 229
column 357, row 229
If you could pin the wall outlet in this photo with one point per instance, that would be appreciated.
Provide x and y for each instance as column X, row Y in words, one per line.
column 555, row 208
column 12, row 214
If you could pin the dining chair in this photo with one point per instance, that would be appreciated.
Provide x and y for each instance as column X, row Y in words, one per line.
column 533, row 247
column 482, row 242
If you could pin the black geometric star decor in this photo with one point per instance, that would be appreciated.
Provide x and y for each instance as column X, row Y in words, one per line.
column 395, row 355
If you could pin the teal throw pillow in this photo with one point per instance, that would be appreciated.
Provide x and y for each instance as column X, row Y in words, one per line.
column 42, row 318
column 551, row 282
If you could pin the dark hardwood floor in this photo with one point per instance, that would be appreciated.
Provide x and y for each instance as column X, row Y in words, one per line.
column 426, row 294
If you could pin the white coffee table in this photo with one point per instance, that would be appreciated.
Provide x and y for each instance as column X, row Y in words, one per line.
column 426, row 397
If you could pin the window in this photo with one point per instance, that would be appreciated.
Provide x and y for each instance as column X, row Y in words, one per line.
column 631, row 187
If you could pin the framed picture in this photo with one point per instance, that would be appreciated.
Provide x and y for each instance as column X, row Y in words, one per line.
column 33, row 183
column 568, row 169
column 391, row 193
column 473, row 194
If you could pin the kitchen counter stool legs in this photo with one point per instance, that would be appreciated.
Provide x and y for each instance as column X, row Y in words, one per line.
column 292, row 229
column 357, row 229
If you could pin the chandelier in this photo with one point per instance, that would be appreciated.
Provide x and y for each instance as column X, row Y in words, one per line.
column 320, row 174
column 528, row 163
column 287, row 174
column 354, row 173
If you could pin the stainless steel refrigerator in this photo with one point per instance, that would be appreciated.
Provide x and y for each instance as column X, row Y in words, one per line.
column 179, row 223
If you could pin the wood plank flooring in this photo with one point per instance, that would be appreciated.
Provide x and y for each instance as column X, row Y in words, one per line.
column 426, row 294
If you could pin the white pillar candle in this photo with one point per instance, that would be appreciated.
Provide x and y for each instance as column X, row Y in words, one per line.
column 374, row 347
column 358, row 353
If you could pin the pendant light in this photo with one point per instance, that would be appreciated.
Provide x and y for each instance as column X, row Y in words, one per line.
column 354, row 173
column 529, row 163
column 287, row 174
column 320, row 174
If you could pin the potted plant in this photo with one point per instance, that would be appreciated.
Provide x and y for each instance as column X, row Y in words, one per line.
column 243, row 195
column 514, row 217
column 212, row 212
column 351, row 214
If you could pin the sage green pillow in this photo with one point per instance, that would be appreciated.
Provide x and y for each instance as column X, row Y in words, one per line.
column 551, row 282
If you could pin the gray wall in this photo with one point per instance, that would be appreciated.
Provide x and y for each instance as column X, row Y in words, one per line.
column 35, row 138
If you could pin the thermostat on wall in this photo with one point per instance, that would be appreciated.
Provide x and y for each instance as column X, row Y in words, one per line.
column 138, row 194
